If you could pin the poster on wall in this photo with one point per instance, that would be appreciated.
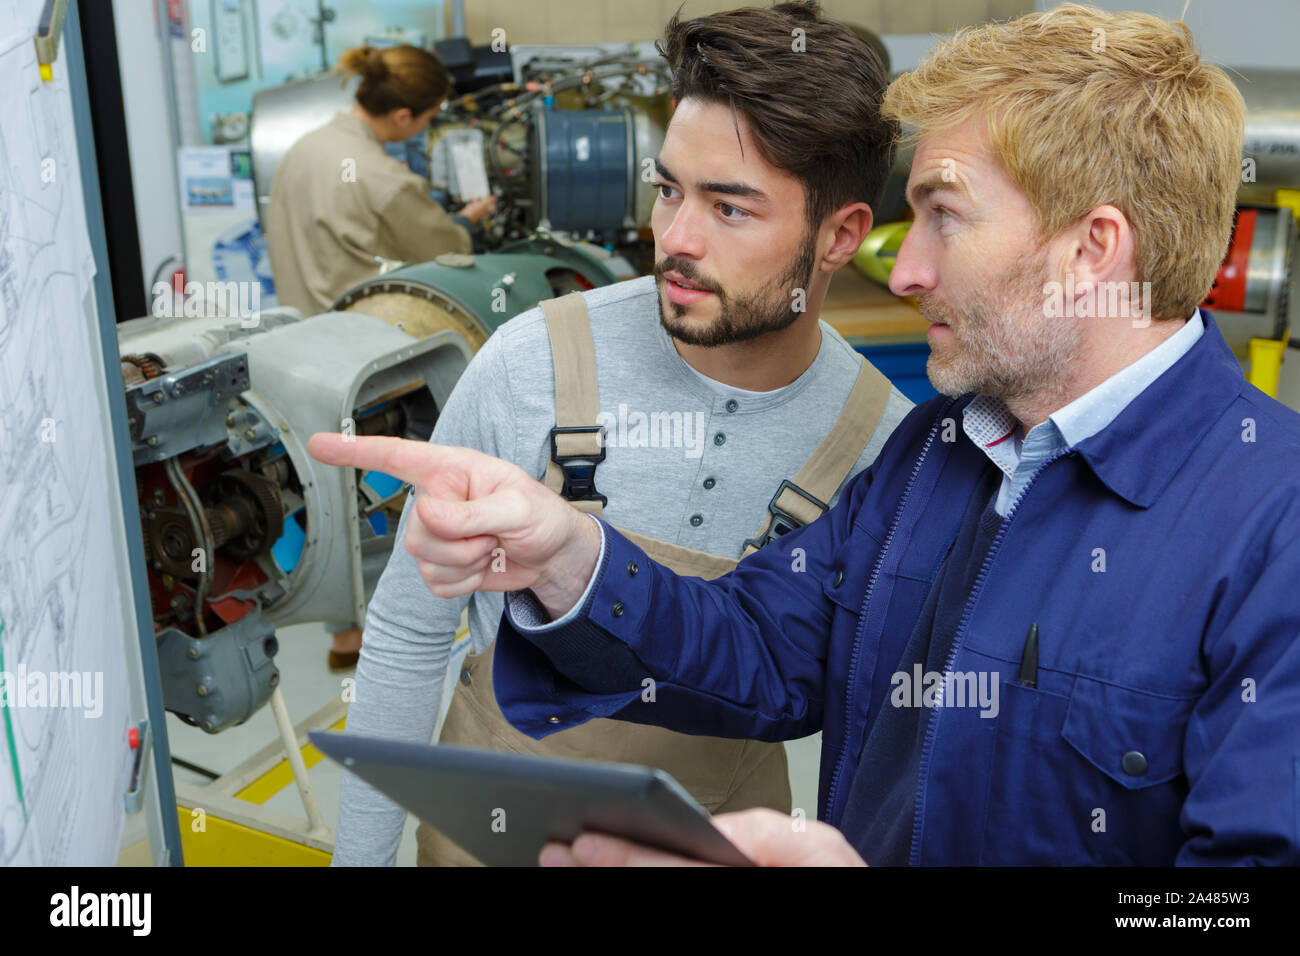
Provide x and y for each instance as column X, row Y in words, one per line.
column 230, row 40
column 223, row 241
column 215, row 178
column 287, row 30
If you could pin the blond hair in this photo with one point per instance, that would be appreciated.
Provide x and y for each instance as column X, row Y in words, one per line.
column 1088, row 108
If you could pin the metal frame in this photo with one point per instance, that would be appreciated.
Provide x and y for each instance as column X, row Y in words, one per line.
column 159, row 796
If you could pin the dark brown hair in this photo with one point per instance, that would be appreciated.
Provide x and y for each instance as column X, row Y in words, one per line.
column 812, row 100
column 396, row 77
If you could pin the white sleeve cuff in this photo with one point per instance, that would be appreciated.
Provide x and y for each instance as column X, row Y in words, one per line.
column 526, row 613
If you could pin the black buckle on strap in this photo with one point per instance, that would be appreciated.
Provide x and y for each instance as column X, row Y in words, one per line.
column 579, row 470
column 782, row 521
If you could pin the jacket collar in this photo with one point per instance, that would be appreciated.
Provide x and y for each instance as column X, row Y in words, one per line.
column 1137, row 454
column 355, row 126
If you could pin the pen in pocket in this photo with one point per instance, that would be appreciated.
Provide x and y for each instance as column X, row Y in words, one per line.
column 1029, row 658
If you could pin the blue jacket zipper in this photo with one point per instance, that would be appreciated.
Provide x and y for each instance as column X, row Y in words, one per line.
column 927, row 748
column 849, row 692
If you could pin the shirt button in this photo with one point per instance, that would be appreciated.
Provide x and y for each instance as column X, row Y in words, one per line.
column 631, row 569
column 1134, row 763
column 617, row 609
column 464, row 676
column 732, row 405
column 697, row 520
column 709, row 482
column 552, row 720
column 838, row 580
column 719, row 439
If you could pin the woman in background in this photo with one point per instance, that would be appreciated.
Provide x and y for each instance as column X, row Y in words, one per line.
column 338, row 200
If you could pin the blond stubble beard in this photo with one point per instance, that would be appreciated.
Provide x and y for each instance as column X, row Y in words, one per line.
column 1004, row 346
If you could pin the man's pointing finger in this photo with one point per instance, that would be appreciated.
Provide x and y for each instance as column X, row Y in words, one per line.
column 411, row 461
column 407, row 460
column 460, row 520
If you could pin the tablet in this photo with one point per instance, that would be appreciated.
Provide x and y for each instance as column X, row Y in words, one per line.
column 503, row 807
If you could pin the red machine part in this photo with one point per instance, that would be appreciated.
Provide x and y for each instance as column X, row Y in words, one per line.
column 228, row 573
column 232, row 575
column 1229, row 290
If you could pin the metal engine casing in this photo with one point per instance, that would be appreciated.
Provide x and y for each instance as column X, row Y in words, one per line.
column 220, row 411
column 307, row 375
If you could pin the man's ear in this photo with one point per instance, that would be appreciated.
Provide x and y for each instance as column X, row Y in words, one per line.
column 1099, row 248
column 401, row 117
column 851, row 224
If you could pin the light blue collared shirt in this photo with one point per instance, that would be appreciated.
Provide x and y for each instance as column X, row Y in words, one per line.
column 993, row 429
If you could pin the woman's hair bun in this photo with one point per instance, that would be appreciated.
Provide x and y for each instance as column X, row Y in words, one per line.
column 366, row 62
column 398, row 77
column 376, row 68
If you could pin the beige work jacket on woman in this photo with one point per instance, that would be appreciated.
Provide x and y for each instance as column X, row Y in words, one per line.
column 337, row 201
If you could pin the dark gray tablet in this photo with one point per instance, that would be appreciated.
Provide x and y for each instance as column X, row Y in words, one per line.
column 503, row 808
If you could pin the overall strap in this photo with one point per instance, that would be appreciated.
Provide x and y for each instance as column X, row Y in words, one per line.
column 803, row 499
column 683, row 560
column 577, row 441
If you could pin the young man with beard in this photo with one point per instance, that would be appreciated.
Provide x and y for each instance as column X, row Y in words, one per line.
column 714, row 379
column 1054, row 623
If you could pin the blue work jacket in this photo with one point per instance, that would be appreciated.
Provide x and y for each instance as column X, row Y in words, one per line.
column 1160, row 559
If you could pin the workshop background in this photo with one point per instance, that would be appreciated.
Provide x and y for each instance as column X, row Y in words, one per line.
column 187, row 145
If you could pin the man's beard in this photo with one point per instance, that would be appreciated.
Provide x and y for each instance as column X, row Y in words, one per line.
column 744, row 316
column 1004, row 345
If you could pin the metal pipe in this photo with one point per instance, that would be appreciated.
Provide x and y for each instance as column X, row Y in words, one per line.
column 315, row 819
column 189, row 499
column 1272, row 134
